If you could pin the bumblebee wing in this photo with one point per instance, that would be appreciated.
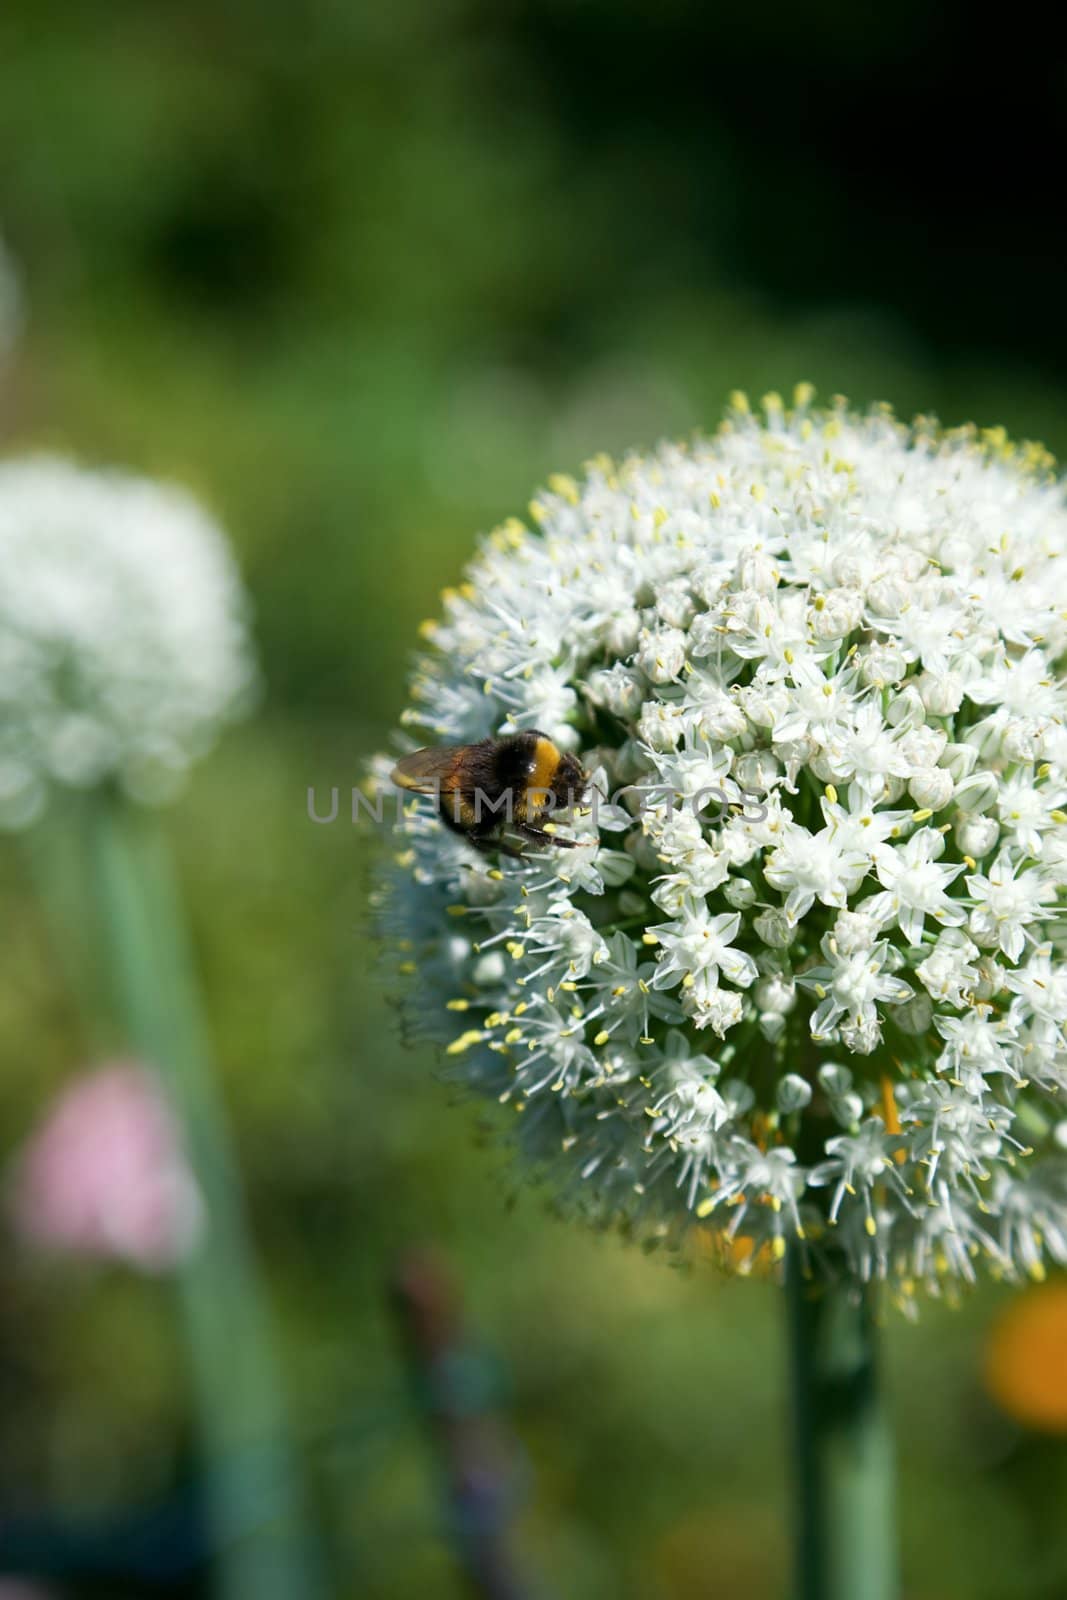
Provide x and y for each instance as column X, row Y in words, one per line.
column 427, row 771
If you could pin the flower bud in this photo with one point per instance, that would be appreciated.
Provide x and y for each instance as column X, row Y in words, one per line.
column 1019, row 742
column 882, row 664
column 887, row 597
column 848, row 1108
column 915, row 1015
column 674, row 604
column 834, row 615
column 762, row 706
column 661, row 725
column 661, row 655
column 906, row 709
column 855, row 931
column 931, row 788
column 757, row 570
column 793, row 1093
column 488, row 968
column 775, row 929
column 959, row 759
column 976, row 793
column 718, row 716
column 923, row 746
column 622, row 631
column 833, row 1079
column 942, row 692
column 976, row 836
column 618, row 690
column 776, row 994
column 756, row 771
column 739, row 893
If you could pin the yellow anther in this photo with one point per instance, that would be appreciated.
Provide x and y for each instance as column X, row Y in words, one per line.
column 464, row 1042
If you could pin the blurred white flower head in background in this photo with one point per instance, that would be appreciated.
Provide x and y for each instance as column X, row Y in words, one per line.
column 124, row 643
column 830, row 1009
column 105, row 1175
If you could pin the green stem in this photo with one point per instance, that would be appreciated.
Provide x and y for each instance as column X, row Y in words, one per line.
column 843, row 1456
column 260, row 1532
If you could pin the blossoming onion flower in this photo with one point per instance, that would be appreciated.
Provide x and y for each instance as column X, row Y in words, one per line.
column 810, row 982
column 123, row 640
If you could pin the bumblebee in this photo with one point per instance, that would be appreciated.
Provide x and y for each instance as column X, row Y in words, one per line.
column 515, row 782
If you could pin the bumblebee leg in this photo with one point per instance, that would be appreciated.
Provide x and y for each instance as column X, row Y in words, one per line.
column 493, row 847
column 546, row 840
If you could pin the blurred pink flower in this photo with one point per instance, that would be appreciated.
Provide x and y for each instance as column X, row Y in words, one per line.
column 104, row 1174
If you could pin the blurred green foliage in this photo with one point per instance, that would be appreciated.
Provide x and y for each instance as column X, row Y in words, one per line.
column 361, row 276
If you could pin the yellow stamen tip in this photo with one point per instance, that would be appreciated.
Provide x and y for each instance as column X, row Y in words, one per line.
column 464, row 1042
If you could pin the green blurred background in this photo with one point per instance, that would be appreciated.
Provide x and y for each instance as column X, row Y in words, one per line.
column 361, row 276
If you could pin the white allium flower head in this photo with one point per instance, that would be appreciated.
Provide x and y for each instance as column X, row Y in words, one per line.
column 124, row 643
column 828, row 1004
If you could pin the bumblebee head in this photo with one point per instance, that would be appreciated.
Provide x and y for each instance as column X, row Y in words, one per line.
column 571, row 781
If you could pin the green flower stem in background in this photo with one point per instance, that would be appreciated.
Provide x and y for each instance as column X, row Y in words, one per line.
column 843, row 1454
column 260, row 1532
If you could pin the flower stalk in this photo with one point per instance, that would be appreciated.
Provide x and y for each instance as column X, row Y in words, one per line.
column 258, row 1525
column 843, row 1455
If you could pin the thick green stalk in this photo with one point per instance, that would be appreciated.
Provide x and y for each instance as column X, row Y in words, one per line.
column 843, row 1456
column 260, row 1532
